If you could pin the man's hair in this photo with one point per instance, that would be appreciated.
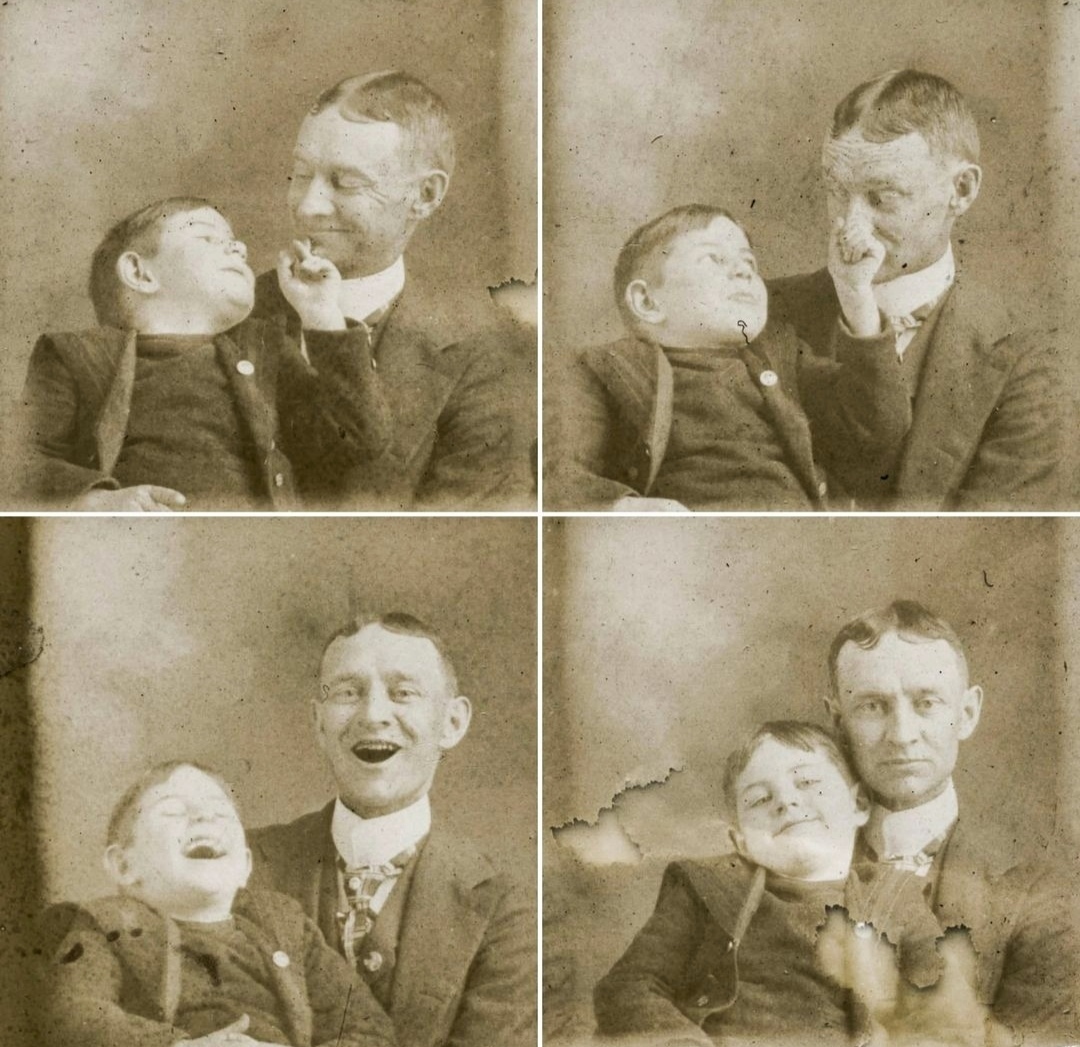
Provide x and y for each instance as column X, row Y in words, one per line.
column 405, row 624
column 140, row 232
column 639, row 254
column 909, row 620
column 398, row 98
column 901, row 101
column 793, row 733
column 122, row 819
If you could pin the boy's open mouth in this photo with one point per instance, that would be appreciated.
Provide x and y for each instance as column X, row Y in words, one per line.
column 374, row 752
column 203, row 850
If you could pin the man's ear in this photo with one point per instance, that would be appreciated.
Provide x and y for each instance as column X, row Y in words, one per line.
column 970, row 710
column 862, row 803
column 640, row 301
column 117, row 866
column 832, row 710
column 457, row 716
column 966, row 182
column 133, row 271
column 431, row 189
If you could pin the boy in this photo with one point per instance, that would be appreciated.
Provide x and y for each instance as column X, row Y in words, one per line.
column 703, row 406
column 175, row 401
column 183, row 954
column 732, row 948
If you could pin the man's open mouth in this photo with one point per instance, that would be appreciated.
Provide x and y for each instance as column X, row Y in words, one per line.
column 374, row 752
column 203, row 850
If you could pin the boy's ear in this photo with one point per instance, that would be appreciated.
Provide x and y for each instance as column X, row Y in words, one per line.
column 247, row 876
column 432, row 188
column 738, row 841
column 642, row 304
column 117, row 867
column 133, row 272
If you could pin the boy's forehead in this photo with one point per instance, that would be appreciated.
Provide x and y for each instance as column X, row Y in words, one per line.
column 772, row 757
column 187, row 783
column 720, row 232
column 201, row 220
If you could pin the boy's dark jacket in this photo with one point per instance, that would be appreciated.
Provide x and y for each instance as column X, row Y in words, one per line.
column 315, row 419
column 115, row 977
column 612, row 415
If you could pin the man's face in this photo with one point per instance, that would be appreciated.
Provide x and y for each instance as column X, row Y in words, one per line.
column 187, row 848
column 384, row 718
column 898, row 192
column 709, row 282
column 904, row 706
column 202, row 268
column 796, row 813
column 353, row 191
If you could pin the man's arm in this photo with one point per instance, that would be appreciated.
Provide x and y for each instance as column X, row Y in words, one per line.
column 485, row 444
column 638, row 994
column 498, row 1005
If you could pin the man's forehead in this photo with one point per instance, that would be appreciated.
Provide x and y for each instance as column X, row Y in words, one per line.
column 852, row 156
column 376, row 647
column 896, row 655
column 328, row 137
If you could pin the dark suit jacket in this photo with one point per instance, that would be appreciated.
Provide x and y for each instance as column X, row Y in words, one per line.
column 987, row 427
column 465, row 966
column 462, row 405
column 611, row 415
column 115, row 977
column 78, row 393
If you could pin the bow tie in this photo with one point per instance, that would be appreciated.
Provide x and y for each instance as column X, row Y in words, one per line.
column 919, row 863
column 909, row 321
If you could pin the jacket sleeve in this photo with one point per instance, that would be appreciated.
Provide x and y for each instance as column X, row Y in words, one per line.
column 333, row 413
column 83, row 1008
column 857, row 404
column 1021, row 461
column 582, row 439
column 485, row 444
column 344, row 1011
column 638, row 994
column 50, row 444
column 498, row 1005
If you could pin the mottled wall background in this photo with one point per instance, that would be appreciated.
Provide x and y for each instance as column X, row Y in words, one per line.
column 200, row 638
column 110, row 104
column 667, row 639
column 653, row 103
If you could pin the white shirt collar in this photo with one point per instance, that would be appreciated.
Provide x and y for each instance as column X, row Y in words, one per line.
column 364, row 295
column 899, row 296
column 373, row 841
column 901, row 834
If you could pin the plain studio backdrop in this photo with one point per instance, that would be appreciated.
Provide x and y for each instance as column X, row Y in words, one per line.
column 666, row 640
column 200, row 638
column 110, row 104
column 653, row 103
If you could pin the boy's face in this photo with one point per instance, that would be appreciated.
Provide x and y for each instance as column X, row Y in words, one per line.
column 201, row 269
column 708, row 284
column 187, row 849
column 796, row 814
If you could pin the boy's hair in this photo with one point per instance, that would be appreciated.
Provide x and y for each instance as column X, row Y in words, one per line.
column 908, row 619
column 398, row 98
column 638, row 254
column 140, row 232
column 901, row 101
column 405, row 624
column 793, row 733
column 122, row 819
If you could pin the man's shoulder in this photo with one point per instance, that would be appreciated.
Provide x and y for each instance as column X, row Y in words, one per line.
column 456, row 858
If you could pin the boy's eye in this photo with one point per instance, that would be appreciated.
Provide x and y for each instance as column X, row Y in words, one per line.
column 807, row 783
column 758, row 800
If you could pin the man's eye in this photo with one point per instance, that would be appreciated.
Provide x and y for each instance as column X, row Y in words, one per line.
column 405, row 694
column 348, row 185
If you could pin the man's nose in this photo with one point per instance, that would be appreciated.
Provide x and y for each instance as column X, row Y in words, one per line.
column 856, row 213
column 903, row 725
column 375, row 706
column 315, row 199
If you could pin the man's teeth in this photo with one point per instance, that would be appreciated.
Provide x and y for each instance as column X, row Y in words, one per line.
column 375, row 752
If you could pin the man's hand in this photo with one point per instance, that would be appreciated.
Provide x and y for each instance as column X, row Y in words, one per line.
column 634, row 504
column 312, row 286
column 144, row 498
column 855, row 256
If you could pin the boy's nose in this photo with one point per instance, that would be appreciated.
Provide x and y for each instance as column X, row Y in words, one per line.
column 238, row 247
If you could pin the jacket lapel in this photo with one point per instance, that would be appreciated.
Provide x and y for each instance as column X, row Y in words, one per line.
column 440, row 933
column 112, row 419
column 961, row 382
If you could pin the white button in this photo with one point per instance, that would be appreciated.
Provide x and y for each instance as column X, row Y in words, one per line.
column 822, row 488
column 373, row 961
column 245, row 367
column 281, row 959
column 702, row 1001
column 354, row 882
column 769, row 378
column 279, row 479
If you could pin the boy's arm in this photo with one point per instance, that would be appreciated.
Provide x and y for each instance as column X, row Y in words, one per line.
column 344, row 1011
column 638, row 994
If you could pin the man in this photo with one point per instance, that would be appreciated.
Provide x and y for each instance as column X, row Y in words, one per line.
column 445, row 942
column 900, row 164
column 373, row 162
column 902, row 700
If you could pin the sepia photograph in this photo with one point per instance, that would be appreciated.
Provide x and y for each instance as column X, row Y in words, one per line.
column 802, row 256
column 811, row 782
column 270, row 781
column 269, row 256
